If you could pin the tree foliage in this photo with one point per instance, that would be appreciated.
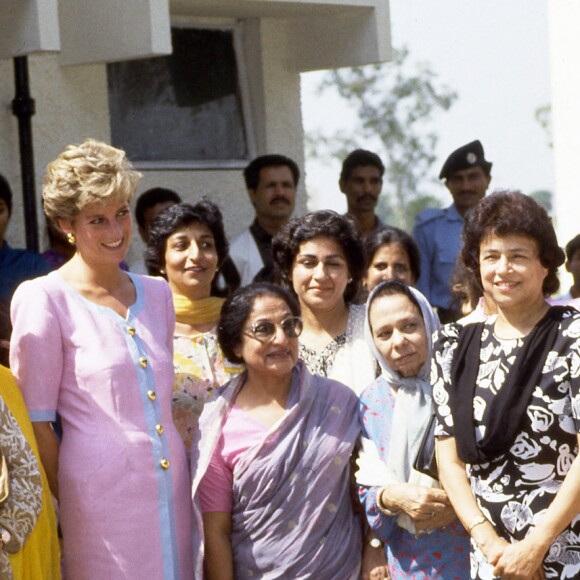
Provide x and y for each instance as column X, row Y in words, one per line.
column 543, row 197
column 543, row 116
column 394, row 106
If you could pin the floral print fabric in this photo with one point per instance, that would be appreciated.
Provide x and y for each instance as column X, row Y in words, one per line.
column 320, row 363
column 440, row 555
column 200, row 367
column 514, row 490
column 18, row 514
column 347, row 358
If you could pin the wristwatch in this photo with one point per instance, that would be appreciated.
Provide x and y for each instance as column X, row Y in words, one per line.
column 375, row 543
column 5, row 536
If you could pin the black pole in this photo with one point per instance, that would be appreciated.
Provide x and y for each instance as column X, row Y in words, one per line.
column 23, row 107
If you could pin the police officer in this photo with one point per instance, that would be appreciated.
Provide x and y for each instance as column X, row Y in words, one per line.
column 467, row 175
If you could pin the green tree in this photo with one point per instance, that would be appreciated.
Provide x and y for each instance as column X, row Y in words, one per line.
column 543, row 116
column 394, row 103
column 543, row 197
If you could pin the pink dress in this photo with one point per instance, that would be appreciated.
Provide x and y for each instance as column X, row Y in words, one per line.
column 125, row 502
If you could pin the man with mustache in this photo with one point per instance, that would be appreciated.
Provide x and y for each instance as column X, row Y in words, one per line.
column 467, row 175
column 271, row 181
column 361, row 180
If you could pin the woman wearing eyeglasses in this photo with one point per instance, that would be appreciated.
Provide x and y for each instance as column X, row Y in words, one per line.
column 273, row 472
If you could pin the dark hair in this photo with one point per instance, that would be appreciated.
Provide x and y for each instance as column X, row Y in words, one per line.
column 252, row 171
column 506, row 213
column 360, row 158
column 178, row 216
column 393, row 288
column 6, row 193
column 323, row 223
column 151, row 198
column 464, row 286
column 572, row 247
column 392, row 235
column 236, row 311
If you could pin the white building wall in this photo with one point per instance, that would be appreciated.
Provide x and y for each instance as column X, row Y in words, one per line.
column 564, row 24
column 72, row 104
column 281, row 39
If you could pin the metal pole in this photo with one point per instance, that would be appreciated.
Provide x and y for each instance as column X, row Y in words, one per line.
column 23, row 108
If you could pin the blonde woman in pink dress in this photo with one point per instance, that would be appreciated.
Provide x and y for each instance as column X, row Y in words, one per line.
column 94, row 344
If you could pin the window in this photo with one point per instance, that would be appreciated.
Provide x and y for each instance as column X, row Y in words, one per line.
column 182, row 110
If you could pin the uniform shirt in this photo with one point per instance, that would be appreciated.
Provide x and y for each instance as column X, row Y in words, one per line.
column 438, row 235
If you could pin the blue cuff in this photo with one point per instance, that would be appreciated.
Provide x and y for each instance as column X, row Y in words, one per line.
column 40, row 416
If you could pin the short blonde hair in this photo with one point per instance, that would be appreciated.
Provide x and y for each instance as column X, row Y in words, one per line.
column 85, row 174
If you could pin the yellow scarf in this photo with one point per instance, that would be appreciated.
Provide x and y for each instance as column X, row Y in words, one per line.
column 197, row 311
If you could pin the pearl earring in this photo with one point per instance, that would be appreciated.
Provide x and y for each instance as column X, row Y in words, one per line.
column 71, row 239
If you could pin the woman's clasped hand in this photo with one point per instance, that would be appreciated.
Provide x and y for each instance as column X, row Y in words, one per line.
column 429, row 508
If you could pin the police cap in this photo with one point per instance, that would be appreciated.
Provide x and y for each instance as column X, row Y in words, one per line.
column 465, row 157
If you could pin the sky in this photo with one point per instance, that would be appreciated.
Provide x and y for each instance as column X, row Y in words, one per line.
column 494, row 54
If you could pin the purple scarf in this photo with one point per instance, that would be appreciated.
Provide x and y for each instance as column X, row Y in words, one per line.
column 292, row 514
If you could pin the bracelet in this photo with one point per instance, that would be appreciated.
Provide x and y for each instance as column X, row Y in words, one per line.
column 382, row 508
column 476, row 522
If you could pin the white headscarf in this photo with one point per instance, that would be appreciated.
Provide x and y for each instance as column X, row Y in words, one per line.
column 411, row 415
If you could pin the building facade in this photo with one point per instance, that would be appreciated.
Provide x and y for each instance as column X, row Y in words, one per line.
column 107, row 70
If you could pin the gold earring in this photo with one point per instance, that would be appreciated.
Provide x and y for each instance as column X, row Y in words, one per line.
column 71, row 239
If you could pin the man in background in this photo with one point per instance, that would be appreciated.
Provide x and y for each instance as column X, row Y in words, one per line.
column 467, row 175
column 361, row 180
column 150, row 204
column 271, row 182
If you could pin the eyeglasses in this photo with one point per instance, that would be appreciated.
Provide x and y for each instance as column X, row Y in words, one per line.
column 265, row 330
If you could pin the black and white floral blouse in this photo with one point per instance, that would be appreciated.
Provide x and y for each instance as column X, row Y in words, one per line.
column 514, row 490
